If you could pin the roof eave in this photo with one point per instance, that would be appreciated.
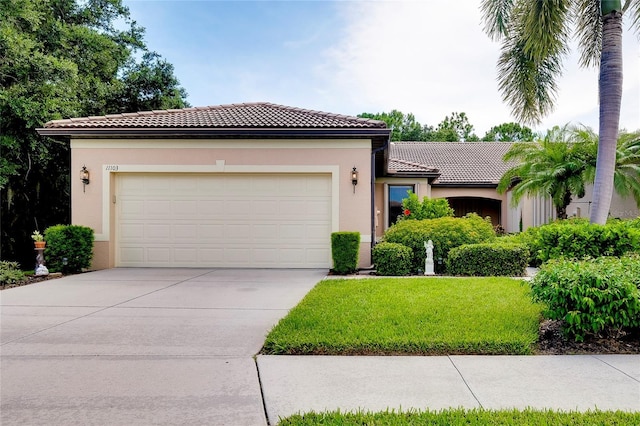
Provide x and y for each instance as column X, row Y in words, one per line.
column 77, row 132
column 465, row 185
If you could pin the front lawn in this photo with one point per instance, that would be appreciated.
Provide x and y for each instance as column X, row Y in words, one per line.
column 461, row 416
column 413, row 316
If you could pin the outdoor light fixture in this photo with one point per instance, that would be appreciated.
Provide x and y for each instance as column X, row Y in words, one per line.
column 354, row 178
column 84, row 177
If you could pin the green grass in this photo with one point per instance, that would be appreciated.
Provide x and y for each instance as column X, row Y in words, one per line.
column 466, row 417
column 388, row 316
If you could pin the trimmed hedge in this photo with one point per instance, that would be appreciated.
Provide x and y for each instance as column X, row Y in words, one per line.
column 591, row 296
column 445, row 232
column 488, row 260
column 579, row 240
column 345, row 248
column 392, row 259
column 71, row 242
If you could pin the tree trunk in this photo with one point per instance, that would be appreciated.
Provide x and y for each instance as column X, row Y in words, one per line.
column 610, row 93
column 561, row 211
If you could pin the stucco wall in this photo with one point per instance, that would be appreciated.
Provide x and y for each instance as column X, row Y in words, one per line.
column 92, row 205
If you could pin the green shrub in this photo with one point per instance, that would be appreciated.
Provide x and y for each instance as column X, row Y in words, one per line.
column 488, row 259
column 528, row 238
column 591, row 296
column 446, row 233
column 345, row 247
column 429, row 208
column 392, row 259
column 10, row 273
column 71, row 242
column 581, row 240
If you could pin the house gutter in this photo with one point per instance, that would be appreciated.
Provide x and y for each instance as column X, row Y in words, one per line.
column 373, row 190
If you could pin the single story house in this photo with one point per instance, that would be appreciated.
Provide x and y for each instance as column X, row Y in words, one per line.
column 261, row 185
column 244, row 185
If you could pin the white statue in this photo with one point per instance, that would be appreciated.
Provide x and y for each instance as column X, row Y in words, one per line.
column 428, row 262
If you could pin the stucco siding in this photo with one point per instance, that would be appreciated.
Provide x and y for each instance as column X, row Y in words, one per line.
column 93, row 205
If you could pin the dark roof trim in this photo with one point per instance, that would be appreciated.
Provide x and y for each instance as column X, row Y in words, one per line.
column 232, row 132
column 465, row 185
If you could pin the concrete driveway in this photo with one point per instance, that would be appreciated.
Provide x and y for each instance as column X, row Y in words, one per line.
column 141, row 346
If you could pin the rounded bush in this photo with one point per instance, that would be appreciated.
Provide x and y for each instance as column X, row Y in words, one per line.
column 445, row 232
column 488, row 260
column 392, row 259
column 591, row 296
column 71, row 242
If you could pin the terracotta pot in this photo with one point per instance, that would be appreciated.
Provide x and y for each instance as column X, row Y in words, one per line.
column 40, row 244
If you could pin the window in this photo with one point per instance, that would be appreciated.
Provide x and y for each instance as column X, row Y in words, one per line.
column 397, row 193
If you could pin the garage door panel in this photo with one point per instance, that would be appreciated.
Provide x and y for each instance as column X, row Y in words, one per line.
column 260, row 220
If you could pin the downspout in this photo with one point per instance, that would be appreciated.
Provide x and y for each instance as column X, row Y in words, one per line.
column 373, row 190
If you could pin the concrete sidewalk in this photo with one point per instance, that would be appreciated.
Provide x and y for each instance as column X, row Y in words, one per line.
column 293, row 384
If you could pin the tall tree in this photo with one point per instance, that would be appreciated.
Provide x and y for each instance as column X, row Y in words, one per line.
column 404, row 127
column 554, row 167
column 535, row 37
column 509, row 132
column 59, row 59
column 626, row 176
column 455, row 128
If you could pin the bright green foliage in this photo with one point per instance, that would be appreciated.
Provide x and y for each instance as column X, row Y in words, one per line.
column 345, row 247
column 509, row 132
column 528, row 238
column 579, row 240
column 61, row 59
column 446, row 233
column 392, row 259
column 71, row 242
column 405, row 315
column 626, row 176
column 430, row 208
column 404, row 127
column 455, row 129
column 535, row 38
column 591, row 296
column 10, row 273
column 461, row 416
column 554, row 167
column 488, row 260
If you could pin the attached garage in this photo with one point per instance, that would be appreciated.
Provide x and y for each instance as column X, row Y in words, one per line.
column 223, row 220
column 252, row 185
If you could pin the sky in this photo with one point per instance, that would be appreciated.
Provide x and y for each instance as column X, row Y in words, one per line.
column 429, row 58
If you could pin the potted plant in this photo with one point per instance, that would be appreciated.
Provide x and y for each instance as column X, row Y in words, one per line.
column 38, row 239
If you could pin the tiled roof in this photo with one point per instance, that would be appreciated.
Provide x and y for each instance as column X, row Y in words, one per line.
column 244, row 115
column 458, row 163
column 400, row 166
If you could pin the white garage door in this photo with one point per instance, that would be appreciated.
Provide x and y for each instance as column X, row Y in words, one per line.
column 209, row 220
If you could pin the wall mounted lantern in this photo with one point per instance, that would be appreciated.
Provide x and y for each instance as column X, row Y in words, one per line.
column 354, row 178
column 84, row 177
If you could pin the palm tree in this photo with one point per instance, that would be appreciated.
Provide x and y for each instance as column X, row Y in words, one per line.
column 535, row 37
column 554, row 167
column 626, row 176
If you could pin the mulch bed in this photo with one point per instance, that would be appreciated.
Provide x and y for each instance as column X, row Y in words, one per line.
column 32, row 279
column 551, row 339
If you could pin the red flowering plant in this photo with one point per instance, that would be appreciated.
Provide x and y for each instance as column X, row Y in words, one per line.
column 429, row 208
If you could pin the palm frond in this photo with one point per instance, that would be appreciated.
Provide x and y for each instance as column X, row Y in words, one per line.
column 632, row 8
column 588, row 22
column 496, row 15
column 545, row 27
